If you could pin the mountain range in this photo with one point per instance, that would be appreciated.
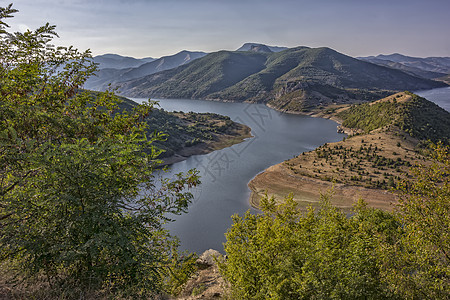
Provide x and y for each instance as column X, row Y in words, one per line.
column 429, row 67
column 115, row 68
column 255, row 47
column 119, row 62
column 295, row 79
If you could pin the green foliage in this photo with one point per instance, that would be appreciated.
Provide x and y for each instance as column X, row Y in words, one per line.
column 369, row 116
column 282, row 254
column 79, row 203
column 418, row 265
column 418, row 117
column 215, row 71
column 325, row 254
column 318, row 75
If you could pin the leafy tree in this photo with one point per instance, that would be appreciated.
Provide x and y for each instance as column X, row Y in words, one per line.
column 80, row 204
column 282, row 254
column 325, row 254
column 418, row 264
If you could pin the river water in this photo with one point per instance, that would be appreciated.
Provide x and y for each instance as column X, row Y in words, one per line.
column 439, row 96
column 225, row 173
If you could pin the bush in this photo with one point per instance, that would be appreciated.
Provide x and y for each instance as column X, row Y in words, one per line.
column 322, row 254
column 79, row 203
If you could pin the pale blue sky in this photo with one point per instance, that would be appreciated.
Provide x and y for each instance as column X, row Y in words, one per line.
column 156, row 28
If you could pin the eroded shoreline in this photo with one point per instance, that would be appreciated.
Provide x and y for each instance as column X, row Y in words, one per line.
column 279, row 182
column 236, row 135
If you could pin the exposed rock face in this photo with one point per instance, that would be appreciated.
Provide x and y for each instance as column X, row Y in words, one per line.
column 208, row 258
column 260, row 48
column 248, row 46
column 207, row 283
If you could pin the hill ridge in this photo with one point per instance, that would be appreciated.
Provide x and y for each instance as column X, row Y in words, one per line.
column 389, row 136
column 294, row 80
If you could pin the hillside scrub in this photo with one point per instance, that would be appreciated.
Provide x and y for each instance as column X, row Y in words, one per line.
column 326, row 254
column 81, row 211
column 417, row 117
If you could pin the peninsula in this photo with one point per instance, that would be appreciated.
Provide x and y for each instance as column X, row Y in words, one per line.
column 386, row 138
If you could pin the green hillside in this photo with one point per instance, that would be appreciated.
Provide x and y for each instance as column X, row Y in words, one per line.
column 187, row 129
column 296, row 79
column 200, row 78
column 418, row 117
column 184, row 129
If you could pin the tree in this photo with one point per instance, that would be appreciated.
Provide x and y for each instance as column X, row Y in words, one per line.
column 325, row 254
column 79, row 200
column 283, row 254
column 418, row 263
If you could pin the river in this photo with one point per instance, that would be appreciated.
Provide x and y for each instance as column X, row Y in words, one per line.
column 439, row 96
column 225, row 173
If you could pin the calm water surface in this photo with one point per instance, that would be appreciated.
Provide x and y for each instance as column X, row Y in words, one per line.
column 439, row 96
column 225, row 173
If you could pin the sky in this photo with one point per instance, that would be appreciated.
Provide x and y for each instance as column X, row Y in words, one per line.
column 155, row 28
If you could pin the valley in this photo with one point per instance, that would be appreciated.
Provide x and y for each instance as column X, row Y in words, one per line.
column 286, row 170
column 299, row 79
column 385, row 136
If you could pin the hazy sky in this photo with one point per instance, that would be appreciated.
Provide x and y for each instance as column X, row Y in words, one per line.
column 155, row 28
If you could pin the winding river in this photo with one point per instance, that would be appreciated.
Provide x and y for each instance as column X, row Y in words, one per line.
column 225, row 173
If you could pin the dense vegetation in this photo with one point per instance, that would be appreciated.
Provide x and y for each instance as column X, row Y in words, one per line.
column 369, row 116
column 186, row 129
column 326, row 254
column 417, row 117
column 81, row 212
column 295, row 79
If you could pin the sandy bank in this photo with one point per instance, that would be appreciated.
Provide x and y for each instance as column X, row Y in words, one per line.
column 278, row 182
column 304, row 176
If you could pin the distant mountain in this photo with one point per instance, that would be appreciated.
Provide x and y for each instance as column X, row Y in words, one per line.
column 296, row 79
column 206, row 131
column 405, row 68
column 161, row 64
column 255, row 47
column 115, row 61
column 112, row 76
column 429, row 67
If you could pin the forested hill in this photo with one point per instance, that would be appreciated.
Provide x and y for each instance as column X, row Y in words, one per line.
column 428, row 67
column 296, row 79
column 385, row 138
column 187, row 129
column 413, row 115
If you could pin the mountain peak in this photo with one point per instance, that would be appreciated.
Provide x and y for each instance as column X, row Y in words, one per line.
column 297, row 79
column 257, row 47
column 260, row 48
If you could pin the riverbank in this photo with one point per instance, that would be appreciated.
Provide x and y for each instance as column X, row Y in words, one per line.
column 363, row 166
column 236, row 134
column 277, row 182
